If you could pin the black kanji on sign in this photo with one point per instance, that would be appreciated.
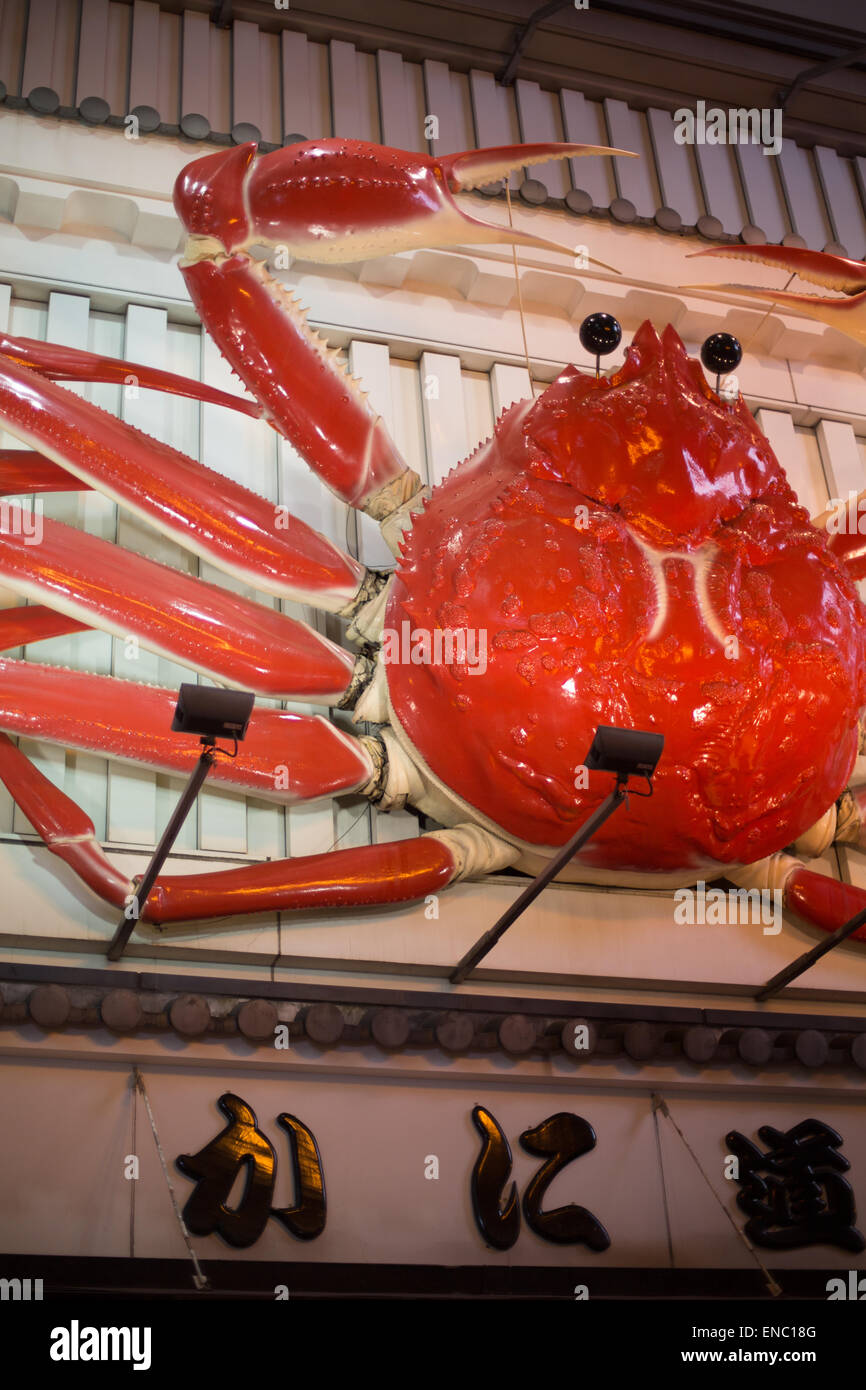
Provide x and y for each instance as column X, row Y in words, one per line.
column 794, row 1194
column 242, row 1146
column 561, row 1138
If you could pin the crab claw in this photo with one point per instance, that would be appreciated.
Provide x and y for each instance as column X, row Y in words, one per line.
column 346, row 200
column 847, row 314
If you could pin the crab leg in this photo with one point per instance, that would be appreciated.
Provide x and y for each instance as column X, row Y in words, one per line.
column 214, row 517
column 74, row 364
column 401, row 871
column 847, row 314
column 306, row 390
column 20, row 626
column 824, row 902
column 328, row 201
column 23, row 470
column 227, row 637
column 285, row 757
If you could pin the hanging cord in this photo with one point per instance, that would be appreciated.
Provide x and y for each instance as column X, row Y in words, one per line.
column 519, row 295
column 133, row 1184
column 200, row 1280
column 659, row 1103
column 664, row 1187
column 773, row 306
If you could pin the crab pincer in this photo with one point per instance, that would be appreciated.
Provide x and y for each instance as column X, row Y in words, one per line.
column 329, row 201
column 346, row 200
column 846, row 311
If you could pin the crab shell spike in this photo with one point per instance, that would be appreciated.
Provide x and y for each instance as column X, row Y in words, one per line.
column 341, row 200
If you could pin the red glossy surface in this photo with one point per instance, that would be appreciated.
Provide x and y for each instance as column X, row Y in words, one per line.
column 306, row 393
column 23, row 470
column 390, row 873
column 825, row 902
column 850, row 548
column 33, row 623
column 583, row 627
column 73, row 364
column 64, row 827
column 237, row 529
column 209, row 195
column 343, row 200
column 400, row 872
column 201, row 625
column 120, row 719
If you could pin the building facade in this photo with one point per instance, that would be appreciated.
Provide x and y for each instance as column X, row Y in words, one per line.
column 378, row 1109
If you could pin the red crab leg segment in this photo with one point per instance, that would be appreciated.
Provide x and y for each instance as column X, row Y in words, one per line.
column 22, row 470
column 214, row 517
column 20, row 626
column 306, row 390
column 227, row 637
column 398, row 872
column 346, row 200
column 326, row 200
column 73, row 364
column 402, row 871
column 824, row 902
column 846, row 314
column 284, row 757
column 64, row 827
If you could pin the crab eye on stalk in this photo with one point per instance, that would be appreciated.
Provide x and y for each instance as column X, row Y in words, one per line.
column 721, row 353
column 600, row 334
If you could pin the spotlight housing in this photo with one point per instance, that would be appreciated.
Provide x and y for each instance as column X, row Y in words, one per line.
column 212, row 712
column 627, row 752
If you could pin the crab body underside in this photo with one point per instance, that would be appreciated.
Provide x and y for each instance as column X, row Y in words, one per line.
column 624, row 550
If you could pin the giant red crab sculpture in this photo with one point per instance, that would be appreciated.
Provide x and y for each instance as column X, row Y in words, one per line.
column 628, row 545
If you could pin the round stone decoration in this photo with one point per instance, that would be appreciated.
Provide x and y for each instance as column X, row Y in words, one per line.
column 623, row 210
column 148, row 118
column 189, row 1015
column 533, row 191
column 43, row 100
column 121, row 1010
column 245, row 132
column 94, row 110
column 194, row 126
column 752, row 235
column 324, row 1023
column 668, row 219
column 257, row 1020
column 579, row 201
column 49, row 1006
column 710, row 227
column 455, row 1032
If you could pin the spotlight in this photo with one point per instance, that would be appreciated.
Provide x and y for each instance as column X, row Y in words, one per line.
column 211, row 712
column 627, row 752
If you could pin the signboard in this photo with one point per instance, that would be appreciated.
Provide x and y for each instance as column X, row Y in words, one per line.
column 435, row 1171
